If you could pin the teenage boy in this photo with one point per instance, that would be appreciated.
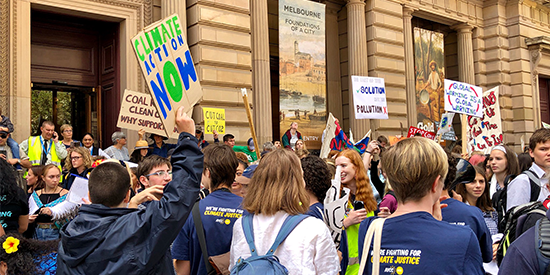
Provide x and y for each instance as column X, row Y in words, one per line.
column 416, row 168
column 519, row 190
column 218, row 213
column 108, row 238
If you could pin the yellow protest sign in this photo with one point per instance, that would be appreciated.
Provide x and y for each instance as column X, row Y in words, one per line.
column 214, row 119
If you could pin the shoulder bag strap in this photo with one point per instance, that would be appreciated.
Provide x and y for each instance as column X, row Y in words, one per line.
column 535, row 184
column 288, row 225
column 248, row 230
column 202, row 240
column 375, row 229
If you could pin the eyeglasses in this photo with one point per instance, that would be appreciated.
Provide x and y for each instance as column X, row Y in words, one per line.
column 75, row 158
column 68, row 130
column 3, row 136
column 162, row 174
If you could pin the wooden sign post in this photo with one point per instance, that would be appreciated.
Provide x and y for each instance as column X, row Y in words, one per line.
column 250, row 122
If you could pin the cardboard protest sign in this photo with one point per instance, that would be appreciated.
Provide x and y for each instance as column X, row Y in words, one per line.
column 335, row 207
column 485, row 133
column 369, row 97
column 463, row 98
column 426, row 134
column 166, row 63
column 138, row 111
column 214, row 119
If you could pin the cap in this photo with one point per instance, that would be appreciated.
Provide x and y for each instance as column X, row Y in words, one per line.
column 198, row 128
column 141, row 144
column 249, row 172
column 251, row 144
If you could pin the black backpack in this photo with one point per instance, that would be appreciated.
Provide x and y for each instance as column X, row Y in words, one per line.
column 500, row 197
column 518, row 220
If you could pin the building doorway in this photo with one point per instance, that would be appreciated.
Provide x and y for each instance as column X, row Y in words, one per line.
column 75, row 71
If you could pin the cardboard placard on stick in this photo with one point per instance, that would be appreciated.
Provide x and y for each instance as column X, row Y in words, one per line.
column 166, row 63
column 250, row 122
column 137, row 111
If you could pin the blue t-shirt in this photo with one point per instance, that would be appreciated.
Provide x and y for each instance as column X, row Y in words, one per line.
column 219, row 211
column 416, row 243
column 316, row 210
column 460, row 213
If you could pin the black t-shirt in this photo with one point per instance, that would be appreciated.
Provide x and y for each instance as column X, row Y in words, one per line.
column 11, row 209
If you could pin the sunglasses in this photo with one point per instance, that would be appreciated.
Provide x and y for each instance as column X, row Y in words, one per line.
column 3, row 135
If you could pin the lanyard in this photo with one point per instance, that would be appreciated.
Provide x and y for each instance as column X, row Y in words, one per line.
column 44, row 145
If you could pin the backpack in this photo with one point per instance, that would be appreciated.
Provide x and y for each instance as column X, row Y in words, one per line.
column 267, row 264
column 500, row 197
column 542, row 245
column 518, row 220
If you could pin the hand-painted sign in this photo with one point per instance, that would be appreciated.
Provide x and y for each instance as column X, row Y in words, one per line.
column 485, row 133
column 426, row 134
column 463, row 98
column 138, row 111
column 214, row 119
column 369, row 97
column 166, row 63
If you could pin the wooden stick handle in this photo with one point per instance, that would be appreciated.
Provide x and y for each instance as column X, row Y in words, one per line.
column 252, row 130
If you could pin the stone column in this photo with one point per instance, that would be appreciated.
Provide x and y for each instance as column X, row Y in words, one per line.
column 261, row 82
column 334, row 88
column 169, row 7
column 409, row 66
column 357, row 55
column 466, row 71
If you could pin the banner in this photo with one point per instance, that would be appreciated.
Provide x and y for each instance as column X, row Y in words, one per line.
column 166, row 63
column 137, row 111
column 463, row 98
column 429, row 69
column 485, row 133
column 302, row 70
column 334, row 138
column 214, row 119
column 426, row 134
column 369, row 97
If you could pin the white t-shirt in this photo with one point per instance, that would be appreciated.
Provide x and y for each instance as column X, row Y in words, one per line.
column 293, row 140
column 308, row 249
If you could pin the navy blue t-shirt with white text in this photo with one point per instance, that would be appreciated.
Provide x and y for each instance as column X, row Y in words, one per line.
column 462, row 214
column 416, row 243
column 219, row 211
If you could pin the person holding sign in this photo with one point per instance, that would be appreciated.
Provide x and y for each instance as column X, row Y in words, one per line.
column 159, row 147
column 108, row 238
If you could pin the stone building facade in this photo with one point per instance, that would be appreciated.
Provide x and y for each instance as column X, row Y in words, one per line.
column 503, row 43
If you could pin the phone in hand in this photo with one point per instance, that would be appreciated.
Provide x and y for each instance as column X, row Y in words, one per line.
column 4, row 152
column 358, row 205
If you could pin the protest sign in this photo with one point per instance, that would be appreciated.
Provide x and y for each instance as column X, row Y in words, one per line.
column 78, row 191
column 369, row 97
column 486, row 132
column 463, row 98
column 214, row 119
column 335, row 207
column 137, row 111
column 166, row 63
column 426, row 134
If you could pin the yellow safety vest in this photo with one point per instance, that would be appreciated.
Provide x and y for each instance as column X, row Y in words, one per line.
column 35, row 152
column 353, row 247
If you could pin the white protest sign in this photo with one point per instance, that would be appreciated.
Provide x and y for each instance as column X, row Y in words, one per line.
column 166, row 63
column 138, row 111
column 463, row 98
column 369, row 97
column 485, row 133
column 78, row 191
column 335, row 207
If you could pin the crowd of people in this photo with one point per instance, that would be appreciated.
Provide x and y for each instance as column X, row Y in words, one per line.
column 196, row 207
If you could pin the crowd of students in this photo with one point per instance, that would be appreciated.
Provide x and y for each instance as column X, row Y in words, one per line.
column 199, row 208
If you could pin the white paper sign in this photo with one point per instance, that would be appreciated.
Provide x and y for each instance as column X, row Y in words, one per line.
column 335, row 208
column 463, row 98
column 78, row 191
column 485, row 133
column 369, row 97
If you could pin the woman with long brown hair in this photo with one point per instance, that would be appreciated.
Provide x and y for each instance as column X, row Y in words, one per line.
column 277, row 191
column 361, row 202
